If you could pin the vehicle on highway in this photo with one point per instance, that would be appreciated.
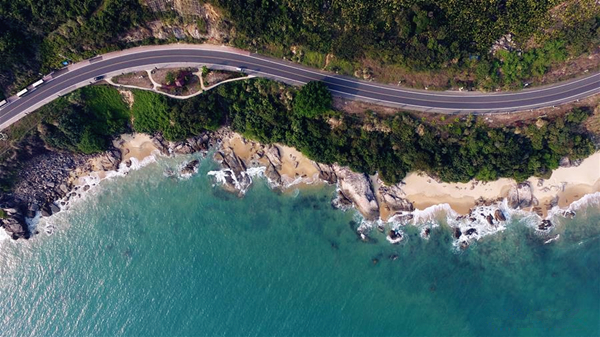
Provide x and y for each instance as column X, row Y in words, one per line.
column 3, row 103
column 99, row 78
column 22, row 92
column 37, row 84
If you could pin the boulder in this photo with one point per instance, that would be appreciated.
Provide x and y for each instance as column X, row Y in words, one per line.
column 46, row 211
column 499, row 216
column 394, row 236
column 15, row 226
column 54, row 208
column 457, row 233
column 64, row 188
column 545, row 225
column 520, row 196
column 565, row 162
column 357, row 188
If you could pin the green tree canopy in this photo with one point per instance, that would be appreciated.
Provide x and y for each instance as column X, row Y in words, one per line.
column 312, row 100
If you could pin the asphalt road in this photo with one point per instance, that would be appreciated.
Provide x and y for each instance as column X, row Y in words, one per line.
column 84, row 72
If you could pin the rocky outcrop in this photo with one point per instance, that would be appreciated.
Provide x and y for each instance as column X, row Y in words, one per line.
column 357, row 188
column 190, row 168
column 390, row 197
column 327, row 173
column 341, row 202
column 274, row 156
column 272, row 174
column 234, row 177
column 14, row 224
column 109, row 160
column 41, row 176
column 200, row 143
column 521, row 196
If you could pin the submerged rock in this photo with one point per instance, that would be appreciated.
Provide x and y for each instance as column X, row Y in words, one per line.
column 426, row 233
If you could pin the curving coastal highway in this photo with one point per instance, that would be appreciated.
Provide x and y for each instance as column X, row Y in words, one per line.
column 83, row 73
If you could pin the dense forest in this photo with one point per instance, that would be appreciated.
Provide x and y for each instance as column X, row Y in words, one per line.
column 452, row 37
column 393, row 145
column 38, row 35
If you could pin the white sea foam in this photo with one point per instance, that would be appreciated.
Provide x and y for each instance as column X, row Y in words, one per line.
column 3, row 235
column 587, row 201
column 552, row 239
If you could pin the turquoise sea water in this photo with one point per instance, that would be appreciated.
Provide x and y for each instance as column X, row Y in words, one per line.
column 151, row 255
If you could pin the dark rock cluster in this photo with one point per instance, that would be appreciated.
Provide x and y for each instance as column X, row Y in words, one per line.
column 40, row 176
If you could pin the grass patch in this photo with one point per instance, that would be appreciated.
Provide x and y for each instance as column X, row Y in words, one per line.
column 150, row 111
column 103, row 100
column 340, row 66
column 313, row 59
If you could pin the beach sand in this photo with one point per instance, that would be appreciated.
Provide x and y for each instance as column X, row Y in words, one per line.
column 569, row 184
column 137, row 145
column 566, row 184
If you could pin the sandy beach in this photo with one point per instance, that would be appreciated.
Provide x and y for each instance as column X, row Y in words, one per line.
column 565, row 186
column 568, row 184
column 137, row 145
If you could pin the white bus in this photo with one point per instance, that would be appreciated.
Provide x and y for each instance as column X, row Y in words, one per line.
column 3, row 103
column 37, row 84
column 22, row 92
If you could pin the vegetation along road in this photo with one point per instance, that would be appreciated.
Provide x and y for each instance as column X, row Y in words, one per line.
column 85, row 72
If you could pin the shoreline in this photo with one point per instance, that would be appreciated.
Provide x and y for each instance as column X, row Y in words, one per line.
column 473, row 209
column 566, row 185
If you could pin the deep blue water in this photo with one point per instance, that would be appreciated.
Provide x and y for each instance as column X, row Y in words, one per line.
column 151, row 255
